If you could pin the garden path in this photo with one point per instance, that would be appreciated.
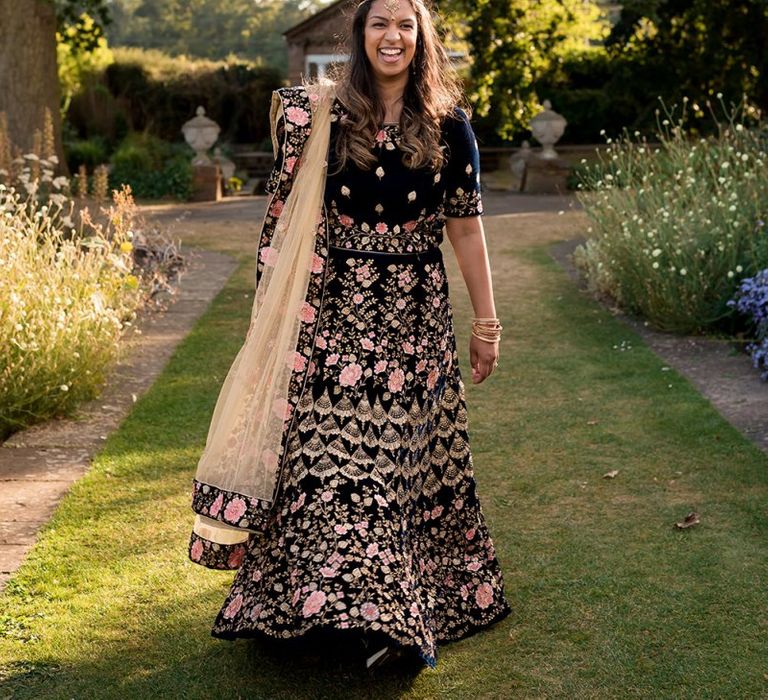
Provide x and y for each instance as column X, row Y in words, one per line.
column 38, row 465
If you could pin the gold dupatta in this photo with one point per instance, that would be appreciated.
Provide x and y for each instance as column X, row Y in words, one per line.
column 243, row 449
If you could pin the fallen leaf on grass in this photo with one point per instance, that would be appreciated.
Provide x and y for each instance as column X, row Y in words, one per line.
column 610, row 474
column 591, row 422
column 690, row 520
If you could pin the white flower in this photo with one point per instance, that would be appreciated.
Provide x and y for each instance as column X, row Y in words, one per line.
column 730, row 274
column 64, row 387
column 739, row 268
column 380, row 172
column 655, row 266
column 683, row 271
column 656, row 252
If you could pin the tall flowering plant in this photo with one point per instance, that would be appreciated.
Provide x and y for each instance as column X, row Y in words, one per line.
column 751, row 300
column 673, row 225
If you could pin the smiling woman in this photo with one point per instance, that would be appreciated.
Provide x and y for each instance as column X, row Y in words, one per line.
column 375, row 528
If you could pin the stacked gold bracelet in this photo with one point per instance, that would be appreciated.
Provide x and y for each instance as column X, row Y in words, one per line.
column 487, row 329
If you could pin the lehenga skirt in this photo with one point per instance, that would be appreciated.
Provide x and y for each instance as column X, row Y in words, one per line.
column 377, row 525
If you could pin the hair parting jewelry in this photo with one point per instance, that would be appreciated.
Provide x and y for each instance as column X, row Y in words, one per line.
column 487, row 329
column 393, row 6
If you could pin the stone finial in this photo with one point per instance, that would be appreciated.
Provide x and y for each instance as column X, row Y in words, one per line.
column 201, row 133
column 547, row 128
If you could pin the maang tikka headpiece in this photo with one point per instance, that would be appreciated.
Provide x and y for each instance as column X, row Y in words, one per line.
column 392, row 6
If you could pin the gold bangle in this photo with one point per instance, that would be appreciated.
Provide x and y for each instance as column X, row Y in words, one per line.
column 487, row 340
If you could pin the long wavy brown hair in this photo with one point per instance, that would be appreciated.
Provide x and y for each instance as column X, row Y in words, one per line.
column 432, row 93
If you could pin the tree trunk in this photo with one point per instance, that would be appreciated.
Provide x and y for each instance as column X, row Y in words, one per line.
column 29, row 79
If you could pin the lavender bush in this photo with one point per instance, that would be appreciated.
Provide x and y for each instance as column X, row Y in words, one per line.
column 751, row 300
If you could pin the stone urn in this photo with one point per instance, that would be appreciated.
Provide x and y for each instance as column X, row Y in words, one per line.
column 201, row 133
column 547, row 128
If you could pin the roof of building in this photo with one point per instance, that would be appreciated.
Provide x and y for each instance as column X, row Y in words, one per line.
column 318, row 17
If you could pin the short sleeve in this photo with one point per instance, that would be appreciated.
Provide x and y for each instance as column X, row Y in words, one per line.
column 461, row 172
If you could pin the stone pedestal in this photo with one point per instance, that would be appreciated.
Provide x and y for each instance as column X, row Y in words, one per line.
column 546, row 176
column 206, row 183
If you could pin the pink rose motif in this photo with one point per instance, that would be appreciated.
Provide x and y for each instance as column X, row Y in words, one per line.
column 400, row 304
column 474, row 566
column 458, row 504
column 367, row 344
column 300, row 362
column 297, row 116
column 257, row 575
column 321, row 342
column 381, row 227
column 328, row 571
column 234, row 510
column 421, row 365
column 396, row 380
column 380, row 366
column 269, row 256
column 484, row 595
column 432, row 379
column 216, row 506
column 471, row 533
column 234, row 606
column 437, row 511
column 196, row 551
column 414, row 609
column 317, row 263
column 346, row 221
column 409, row 226
column 408, row 347
column 381, row 137
column 282, row 409
column 277, row 208
column 358, row 298
column 290, row 164
column 236, row 557
column 369, row 611
column 326, row 496
column 350, row 375
column 372, row 550
column 341, row 529
column 332, row 359
column 313, row 603
column 436, row 302
column 307, row 313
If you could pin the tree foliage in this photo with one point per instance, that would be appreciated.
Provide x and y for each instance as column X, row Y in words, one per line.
column 515, row 42
column 696, row 48
column 211, row 29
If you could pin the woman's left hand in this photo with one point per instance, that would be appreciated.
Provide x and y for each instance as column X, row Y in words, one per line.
column 483, row 357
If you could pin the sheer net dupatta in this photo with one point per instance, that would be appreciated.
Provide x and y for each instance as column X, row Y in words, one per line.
column 238, row 472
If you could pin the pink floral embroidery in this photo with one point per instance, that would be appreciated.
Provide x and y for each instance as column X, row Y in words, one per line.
column 471, row 533
column 346, row 221
column 484, row 595
column 332, row 359
column 269, row 256
column 474, row 566
column 269, row 458
column 396, row 380
column 326, row 496
column 400, row 304
column 350, row 375
column 296, row 115
column 372, row 549
column 357, row 298
column 367, row 344
column 236, row 557
column 432, row 379
column 313, row 603
column 307, row 313
column 234, row 606
column 381, row 137
column 437, row 511
column 299, row 362
column 290, row 163
column 380, row 366
column 369, row 611
column 409, row 226
column 196, row 550
column 408, row 347
column 381, row 227
column 277, row 208
column 216, row 506
column 234, row 510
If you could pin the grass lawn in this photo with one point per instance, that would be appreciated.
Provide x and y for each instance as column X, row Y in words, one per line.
column 609, row 599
